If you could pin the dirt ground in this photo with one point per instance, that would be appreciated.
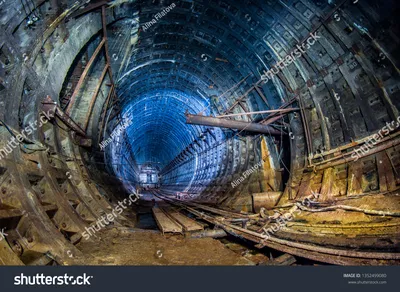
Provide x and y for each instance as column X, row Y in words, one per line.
column 147, row 247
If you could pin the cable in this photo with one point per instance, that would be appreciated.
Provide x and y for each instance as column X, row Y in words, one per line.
column 350, row 208
column 8, row 129
column 25, row 138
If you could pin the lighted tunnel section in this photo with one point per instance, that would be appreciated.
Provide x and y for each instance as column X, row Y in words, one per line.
column 177, row 56
column 181, row 158
column 157, row 133
column 203, row 57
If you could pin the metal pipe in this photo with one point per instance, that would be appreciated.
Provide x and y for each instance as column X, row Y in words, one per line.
column 50, row 106
column 238, row 125
column 346, row 159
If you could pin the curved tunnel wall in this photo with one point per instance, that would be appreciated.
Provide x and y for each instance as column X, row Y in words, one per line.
column 347, row 83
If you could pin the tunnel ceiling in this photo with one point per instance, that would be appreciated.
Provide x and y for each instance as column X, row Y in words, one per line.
column 198, row 47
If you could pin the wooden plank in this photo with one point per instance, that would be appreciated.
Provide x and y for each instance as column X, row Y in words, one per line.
column 187, row 223
column 283, row 260
column 165, row 223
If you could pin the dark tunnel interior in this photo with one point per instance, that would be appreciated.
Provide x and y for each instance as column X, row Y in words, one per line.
column 226, row 115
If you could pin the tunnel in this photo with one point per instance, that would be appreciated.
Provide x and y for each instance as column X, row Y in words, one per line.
column 173, row 125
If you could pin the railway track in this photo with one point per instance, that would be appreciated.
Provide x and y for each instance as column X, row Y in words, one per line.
column 247, row 226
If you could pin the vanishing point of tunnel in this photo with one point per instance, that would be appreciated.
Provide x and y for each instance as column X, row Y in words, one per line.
column 199, row 132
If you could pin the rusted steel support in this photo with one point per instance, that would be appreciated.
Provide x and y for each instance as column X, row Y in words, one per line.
column 241, row 98
column 337, row 151
column 348, row 157
column 238, row 125
column 83, row 76
column 104, row 24
column 95, row 94
column 306, row 130
column 262, row 95
column 103, row 114
column 89, row 8
column 260, row 112
column 273, row 117
column 51, row 106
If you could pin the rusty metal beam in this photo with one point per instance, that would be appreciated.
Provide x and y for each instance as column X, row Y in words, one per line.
column 238, row 125
column 94, row 96
column 307, row 132
column 242, row 97
column 348, row 157
column 260, row 112
column 83, row 76
column 104, row 25
column 262, row 95
column 89, row 8
column 104, row 112
column 51, row 106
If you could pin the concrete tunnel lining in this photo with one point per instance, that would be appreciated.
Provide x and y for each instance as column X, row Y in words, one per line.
column 205, row 58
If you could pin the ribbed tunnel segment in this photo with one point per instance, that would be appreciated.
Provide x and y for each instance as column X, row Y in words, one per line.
column 134, row 68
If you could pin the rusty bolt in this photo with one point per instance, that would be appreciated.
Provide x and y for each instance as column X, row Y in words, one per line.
column 17, row 248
